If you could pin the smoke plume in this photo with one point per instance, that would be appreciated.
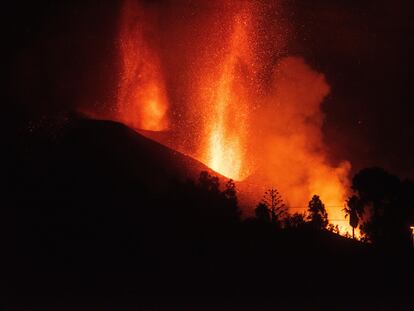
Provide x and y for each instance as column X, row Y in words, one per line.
column 228, row 94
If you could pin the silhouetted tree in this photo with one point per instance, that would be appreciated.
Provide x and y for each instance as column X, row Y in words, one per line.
column 296, row 220
column 230, row 198
column 378, row 192
column 208, row 182
column 274, row 203
column 333, row 228
column 401, row 216
column 230, row 192
column 220, row 204
column 262, row 212
column 352, row 210
column 317, row 215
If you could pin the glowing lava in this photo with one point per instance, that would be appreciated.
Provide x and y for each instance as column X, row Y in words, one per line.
column 235, row 100
column 226, row 128
column 142, row 102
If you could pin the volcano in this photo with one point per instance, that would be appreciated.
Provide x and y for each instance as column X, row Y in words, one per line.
column 201, row 149
column 95, row 210
column 85, row 157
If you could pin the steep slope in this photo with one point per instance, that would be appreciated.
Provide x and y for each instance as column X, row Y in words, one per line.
column 93, row 156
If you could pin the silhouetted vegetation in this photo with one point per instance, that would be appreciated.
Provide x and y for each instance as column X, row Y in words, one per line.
column 317, row 215
column 271, row 208
column 262, row 213
column 334, row 228
column 295, row 221
column 386, row 206
column 119, row 217
column 353, row 210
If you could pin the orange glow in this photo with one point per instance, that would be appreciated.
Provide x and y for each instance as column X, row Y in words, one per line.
column 225, row 131
column 142, row 102
column 290, row 152
column 235, row 100
column 412, row 233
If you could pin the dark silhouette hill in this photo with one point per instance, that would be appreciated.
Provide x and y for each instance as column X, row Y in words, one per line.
column 95, row 209
column 88, row 156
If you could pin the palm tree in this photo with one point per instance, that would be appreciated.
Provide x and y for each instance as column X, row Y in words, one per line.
column 353, row 209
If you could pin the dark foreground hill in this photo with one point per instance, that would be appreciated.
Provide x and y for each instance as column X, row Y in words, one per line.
column 88, row 156
column 97, row 211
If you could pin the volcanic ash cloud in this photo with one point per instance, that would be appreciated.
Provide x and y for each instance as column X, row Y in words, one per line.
column 287, row 147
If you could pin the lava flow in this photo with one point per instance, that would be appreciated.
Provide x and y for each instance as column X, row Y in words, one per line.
column 234, row 100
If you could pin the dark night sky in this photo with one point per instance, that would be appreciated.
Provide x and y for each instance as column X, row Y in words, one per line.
column 63, row 54
column 365, row 49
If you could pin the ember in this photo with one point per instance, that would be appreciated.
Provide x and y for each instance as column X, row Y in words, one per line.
column 142, row 101
column 249, row 115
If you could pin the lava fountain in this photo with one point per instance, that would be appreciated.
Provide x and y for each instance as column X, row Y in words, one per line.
column 252, row 112
column 223, row 96
column 142, row 101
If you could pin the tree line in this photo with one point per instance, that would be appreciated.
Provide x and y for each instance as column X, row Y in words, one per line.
column 381, row 206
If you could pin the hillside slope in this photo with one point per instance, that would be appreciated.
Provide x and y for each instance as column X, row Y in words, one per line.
column 85, row 156
column 97, row 210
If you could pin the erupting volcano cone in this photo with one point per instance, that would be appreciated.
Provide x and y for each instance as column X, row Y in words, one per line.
column 226, row 94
